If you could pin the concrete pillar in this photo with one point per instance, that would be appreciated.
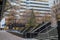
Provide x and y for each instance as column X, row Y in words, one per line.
column 53, row 14
column 53, row 18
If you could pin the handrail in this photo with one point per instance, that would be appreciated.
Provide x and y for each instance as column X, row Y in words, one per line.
column 45, row 28
column 34, row 28
column 40, row 26
column 26, row 29
column 47, row 33
column 51, row 29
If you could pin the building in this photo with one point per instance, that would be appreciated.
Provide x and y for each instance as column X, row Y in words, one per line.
column 23, row 8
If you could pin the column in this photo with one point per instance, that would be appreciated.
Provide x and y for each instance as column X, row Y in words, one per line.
column 53, row 18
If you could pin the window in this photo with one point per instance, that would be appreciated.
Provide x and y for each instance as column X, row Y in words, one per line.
column 54, row 2
column 1, row 3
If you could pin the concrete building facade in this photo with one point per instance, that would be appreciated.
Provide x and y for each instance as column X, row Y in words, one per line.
column 40, row 7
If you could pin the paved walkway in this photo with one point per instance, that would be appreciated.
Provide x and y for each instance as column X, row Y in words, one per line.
column 7, row 36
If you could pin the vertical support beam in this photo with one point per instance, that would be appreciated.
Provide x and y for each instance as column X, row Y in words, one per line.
column 53, row 17
column 55, row 22
column 3, row 3
column 58, row 28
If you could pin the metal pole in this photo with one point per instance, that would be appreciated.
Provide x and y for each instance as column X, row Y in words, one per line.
column 3, row 7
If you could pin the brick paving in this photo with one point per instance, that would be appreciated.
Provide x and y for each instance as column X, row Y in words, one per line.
column 7, row 36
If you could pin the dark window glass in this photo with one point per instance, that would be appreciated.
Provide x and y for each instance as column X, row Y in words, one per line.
column 54, row 2
column 1, row 2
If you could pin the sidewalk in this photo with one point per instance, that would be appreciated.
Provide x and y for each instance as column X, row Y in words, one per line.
column 7, row 36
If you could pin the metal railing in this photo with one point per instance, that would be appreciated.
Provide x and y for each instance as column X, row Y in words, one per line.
column 51, row 34
column 40, row 27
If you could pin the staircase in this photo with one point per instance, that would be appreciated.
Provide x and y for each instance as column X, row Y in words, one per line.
column 49, row 33
column 41, row 32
